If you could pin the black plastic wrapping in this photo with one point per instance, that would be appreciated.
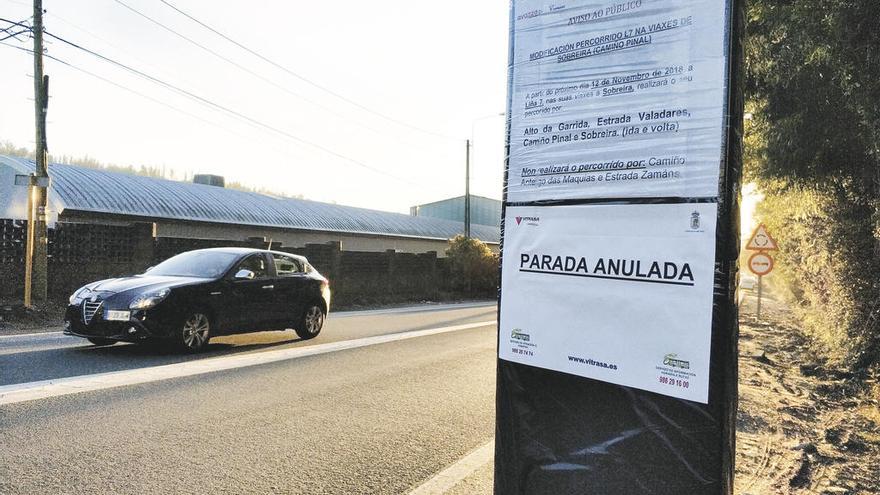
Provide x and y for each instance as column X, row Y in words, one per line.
column 558, row 433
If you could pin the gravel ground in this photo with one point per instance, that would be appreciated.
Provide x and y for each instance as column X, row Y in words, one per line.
column 803, row 427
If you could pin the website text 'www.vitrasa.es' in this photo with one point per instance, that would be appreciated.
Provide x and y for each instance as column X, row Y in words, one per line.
column 592, row 362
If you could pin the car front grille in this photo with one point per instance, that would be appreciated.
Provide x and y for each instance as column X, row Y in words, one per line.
column 90, row 309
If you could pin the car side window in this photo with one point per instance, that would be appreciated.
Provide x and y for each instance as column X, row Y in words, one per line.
column 287, row 266
column 255, row 263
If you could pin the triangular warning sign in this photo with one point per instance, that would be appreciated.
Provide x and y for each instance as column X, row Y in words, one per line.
column 762, row 240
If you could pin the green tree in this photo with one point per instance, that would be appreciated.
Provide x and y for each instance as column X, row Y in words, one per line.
column 813, row 87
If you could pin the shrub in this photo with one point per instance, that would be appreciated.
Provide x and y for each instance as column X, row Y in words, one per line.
column 472, row 266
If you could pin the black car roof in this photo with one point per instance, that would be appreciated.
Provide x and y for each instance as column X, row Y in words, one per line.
column 245, row 250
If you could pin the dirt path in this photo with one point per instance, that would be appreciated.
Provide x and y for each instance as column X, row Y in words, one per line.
column 802, row 428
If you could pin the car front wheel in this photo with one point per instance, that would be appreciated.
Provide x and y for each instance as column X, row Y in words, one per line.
column 100, row 341
column 311, row 323
column 195, row 332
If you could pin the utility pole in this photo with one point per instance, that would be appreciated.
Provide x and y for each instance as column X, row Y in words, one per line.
column 467, row 173
column 36, row 277
column 467, row 189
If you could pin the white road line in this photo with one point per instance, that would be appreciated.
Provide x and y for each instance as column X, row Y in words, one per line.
column 22, row 392
column 445, row 480
column 35, row 334
column 338, row 314
column 411, row 309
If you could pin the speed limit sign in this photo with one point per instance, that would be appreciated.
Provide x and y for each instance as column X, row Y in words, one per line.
column 761, row 264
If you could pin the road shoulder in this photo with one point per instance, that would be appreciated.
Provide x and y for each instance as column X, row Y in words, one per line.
column 15, row 321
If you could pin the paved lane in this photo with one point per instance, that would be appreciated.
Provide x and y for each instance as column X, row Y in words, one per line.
column 377, row 419
column 35, row 357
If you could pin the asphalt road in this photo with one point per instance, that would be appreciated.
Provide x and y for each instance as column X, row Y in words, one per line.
column 376, row 419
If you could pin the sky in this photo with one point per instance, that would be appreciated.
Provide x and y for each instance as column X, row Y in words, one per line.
column 431, row 74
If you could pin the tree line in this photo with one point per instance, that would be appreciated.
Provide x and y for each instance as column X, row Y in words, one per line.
column 9, row 149
column 813, row 147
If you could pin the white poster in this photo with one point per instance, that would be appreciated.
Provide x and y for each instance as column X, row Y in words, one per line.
column 617, row 293
column 616, row 99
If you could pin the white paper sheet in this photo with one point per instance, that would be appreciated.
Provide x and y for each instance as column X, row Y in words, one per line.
column 618, row 293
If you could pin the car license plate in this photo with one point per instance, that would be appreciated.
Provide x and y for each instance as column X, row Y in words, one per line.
column 118, row 315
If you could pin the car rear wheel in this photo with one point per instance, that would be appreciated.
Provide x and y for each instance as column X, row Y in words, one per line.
column 311, row 322
column 195, row 332
column 100, row 341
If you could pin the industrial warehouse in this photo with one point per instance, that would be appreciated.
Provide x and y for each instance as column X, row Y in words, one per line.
column 108, row 224
column 199, row 211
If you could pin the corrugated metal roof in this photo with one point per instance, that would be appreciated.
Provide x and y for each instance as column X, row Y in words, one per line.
column 94, row 190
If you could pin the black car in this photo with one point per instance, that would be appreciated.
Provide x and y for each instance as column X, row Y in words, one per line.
column 196, row 295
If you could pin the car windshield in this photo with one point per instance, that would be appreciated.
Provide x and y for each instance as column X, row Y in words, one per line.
column 203, row 264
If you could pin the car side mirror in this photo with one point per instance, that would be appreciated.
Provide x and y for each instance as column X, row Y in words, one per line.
column 244, row 275
column 149, row 268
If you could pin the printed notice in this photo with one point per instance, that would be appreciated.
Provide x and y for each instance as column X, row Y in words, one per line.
column 617, row 293
column 616, row 99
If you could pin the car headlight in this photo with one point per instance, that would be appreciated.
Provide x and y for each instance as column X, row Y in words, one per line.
column 79, row 294
column 150, row 299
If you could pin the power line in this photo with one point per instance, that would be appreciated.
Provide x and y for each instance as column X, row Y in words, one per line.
column 222, row 108
column 13, row 35
column 305, row 79
column 19, row 24
column 109, row 44
column 138, row 93
column 112, row 46
column 256, row 75
column 120, row 86
column 205, row 48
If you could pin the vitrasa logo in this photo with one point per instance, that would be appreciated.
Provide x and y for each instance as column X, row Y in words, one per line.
column 672, row 360
column 527, row 220
column 518, row 334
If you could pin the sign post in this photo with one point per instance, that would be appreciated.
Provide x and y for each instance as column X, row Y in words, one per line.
column 761, row 263
column 617, row 316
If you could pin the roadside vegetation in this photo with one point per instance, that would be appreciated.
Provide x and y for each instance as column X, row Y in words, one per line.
column 813, row 148
column 473, row 267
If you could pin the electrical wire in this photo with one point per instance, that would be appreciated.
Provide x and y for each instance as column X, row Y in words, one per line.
column 54, row 16
column 259, row 76
column 138, row 93
column 13, row 35
column 14, row 23
column 305, row 79
column 120, row 86
column 224, row 109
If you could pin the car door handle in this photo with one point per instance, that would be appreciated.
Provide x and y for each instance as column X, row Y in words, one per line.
column 269, row 287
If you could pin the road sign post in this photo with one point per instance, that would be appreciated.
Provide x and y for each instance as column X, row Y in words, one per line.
column 761, row 263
